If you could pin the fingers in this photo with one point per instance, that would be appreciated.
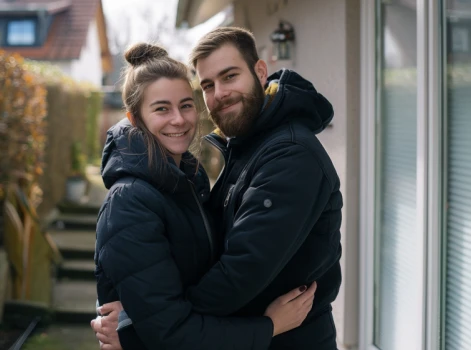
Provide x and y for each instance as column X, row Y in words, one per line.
column 102, row 338
column 110, row 347
column 109, row 307
column 308, row 295
column 96, row 324
column 293, row 294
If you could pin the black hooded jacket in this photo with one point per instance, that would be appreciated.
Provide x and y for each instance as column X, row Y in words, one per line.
column 278, row 204
column 153, row 241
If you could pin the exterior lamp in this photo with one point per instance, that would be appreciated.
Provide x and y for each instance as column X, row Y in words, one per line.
column 283, row 38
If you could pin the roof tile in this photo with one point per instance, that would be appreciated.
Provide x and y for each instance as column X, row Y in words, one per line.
column 67, row 34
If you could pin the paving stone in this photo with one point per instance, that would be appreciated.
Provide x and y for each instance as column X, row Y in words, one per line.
column 74, row 301
column 78, row 269
column 78, row 240
column 71, row 221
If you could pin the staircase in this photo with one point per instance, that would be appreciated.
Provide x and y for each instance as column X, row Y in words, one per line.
column 74, row 293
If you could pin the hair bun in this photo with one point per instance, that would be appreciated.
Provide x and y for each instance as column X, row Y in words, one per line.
column 142, row 52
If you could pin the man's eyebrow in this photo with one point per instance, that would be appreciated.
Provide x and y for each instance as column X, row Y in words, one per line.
column 221, row 73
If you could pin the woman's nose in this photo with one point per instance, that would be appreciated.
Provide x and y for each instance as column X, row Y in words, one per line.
column 177, row 118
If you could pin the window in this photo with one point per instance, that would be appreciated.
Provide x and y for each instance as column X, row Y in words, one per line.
column 398, row 279
column 457, row 230
column 21, row 32
column 417, row 266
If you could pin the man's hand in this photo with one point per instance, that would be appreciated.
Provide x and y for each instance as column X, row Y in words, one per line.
column 105, row 326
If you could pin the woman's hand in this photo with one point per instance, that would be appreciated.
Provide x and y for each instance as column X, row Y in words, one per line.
column 290, row 310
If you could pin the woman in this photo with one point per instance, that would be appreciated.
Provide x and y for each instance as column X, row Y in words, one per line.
column 153, row 237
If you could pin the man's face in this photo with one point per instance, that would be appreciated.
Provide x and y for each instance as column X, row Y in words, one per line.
column 232, row 91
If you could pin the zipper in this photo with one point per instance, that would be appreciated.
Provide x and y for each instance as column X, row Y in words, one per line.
column 214, row 141
column 205, row 221
column 228, row 196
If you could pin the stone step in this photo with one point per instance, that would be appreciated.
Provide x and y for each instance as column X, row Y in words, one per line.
column 19, row 313
column 75, row 208
column 67, row 221
column 74, row 301
column 77, row 244
column 77, row 269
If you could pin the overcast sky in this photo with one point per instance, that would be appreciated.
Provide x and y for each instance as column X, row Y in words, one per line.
column 124, row 18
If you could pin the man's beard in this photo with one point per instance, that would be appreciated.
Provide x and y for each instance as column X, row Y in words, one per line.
column 239, row 123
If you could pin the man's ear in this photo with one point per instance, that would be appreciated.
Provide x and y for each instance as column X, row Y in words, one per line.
column 261, row 70
column 130, row 118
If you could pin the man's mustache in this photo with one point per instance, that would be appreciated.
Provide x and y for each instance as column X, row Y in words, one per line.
column 220, row 106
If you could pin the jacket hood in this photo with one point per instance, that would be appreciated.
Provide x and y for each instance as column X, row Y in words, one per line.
column 295, row 98
column 125, row 155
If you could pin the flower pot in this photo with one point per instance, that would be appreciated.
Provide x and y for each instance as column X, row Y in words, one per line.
column 75, row 189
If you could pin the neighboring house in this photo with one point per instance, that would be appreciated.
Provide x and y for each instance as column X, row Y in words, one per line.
column 398, row 73
column 113, row 107
column 66, row 33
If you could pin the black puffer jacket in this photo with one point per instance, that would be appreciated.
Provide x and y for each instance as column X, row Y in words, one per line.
column 152, row 243
column 279, row 205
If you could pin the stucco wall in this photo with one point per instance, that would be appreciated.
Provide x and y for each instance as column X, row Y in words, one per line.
column 88, row 66
column 327, row 52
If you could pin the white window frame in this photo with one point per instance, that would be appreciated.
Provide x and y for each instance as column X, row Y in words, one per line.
column 436, row 162
column 367, row 172
column 429, row 167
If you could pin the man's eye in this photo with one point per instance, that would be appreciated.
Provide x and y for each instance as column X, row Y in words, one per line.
column 230, row 76
column 161, row 109
column 208, row 86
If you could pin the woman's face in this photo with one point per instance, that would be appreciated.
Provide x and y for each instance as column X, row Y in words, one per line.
column 168, row 110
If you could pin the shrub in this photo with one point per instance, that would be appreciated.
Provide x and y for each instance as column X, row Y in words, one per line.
column 22, row 121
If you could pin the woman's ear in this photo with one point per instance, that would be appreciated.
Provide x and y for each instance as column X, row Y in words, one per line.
column 130, row 118
column 261, row 70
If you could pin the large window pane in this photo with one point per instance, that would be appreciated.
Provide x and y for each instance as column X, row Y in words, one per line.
column 21, row 32
column 457, row 320
column 398, row 271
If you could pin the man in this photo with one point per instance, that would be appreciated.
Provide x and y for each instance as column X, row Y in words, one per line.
column 277, row 201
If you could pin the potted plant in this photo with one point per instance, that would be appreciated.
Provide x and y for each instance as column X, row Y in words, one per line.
column 76, row 184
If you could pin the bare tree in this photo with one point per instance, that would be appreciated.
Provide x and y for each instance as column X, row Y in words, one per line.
column 145, row 24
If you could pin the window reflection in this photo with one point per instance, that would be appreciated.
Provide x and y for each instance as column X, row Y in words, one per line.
column 458, row 215
column 398, row 266
column 21, row 32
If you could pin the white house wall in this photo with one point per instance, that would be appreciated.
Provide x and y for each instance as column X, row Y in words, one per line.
column 88, row 67
column 327, row 52
column 65, row 66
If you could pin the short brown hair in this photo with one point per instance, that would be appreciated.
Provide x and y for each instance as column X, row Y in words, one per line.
column 147, row 63
column 241, row 38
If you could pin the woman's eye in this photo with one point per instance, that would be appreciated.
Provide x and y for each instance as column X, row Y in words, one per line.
column 161, row 109
column 188, row 105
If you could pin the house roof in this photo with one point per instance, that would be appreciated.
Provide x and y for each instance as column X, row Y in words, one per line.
column 68, row 31
column 195, row 12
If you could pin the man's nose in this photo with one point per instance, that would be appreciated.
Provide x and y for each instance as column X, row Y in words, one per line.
column 220, row 92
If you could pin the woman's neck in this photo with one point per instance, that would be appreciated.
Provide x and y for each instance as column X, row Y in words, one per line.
column 177, row 158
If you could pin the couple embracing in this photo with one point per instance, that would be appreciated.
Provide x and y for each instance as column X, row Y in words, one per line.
column 252, row 264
